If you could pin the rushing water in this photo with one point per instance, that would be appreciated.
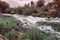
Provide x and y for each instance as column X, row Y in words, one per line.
column 34, row 22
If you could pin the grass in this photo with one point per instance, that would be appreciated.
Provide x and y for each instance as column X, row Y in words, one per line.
column 8, row 24
column 34, row 34
column 11, row 35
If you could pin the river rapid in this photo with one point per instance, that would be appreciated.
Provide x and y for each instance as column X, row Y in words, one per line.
column 35, row 22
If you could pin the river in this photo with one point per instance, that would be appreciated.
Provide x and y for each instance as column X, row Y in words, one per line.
column 34, row 22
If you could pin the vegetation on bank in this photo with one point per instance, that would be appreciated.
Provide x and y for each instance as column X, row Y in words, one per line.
column 39, row 9
column 8, row 27
column 7, row 24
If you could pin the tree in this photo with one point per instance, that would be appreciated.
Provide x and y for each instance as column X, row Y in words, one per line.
column 40, row 3
column 3, row 5
column 57, row 2
column 32, row 3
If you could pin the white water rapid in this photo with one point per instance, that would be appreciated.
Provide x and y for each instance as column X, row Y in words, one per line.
column 31, row 22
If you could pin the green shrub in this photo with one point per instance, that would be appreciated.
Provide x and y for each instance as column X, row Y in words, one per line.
column 10, row 10
column 43, row 10
column 11, row 35
column 27, row 10
column 19, row 10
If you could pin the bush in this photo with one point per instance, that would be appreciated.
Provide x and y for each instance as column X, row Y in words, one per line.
column 27, row 11
column 43, row 11
column 11, row 10
column 11, row 35
column 19, row 10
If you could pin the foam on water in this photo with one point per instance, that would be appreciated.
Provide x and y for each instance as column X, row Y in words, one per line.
column 30, row 22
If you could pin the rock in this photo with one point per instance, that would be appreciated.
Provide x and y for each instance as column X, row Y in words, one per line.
column 3, row 38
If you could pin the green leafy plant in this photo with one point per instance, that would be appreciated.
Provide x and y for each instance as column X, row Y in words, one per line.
column 11, row 35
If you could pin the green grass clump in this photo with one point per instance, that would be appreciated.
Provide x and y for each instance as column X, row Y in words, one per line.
column 8, row 22
column 37, row 35
column 11, row 35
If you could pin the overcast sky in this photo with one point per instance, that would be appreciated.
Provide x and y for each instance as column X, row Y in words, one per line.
column 16, row 3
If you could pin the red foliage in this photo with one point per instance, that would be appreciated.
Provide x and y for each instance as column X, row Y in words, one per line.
column 40, row 3
column 3, row 5
column 52, row 5
column 57, row 2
